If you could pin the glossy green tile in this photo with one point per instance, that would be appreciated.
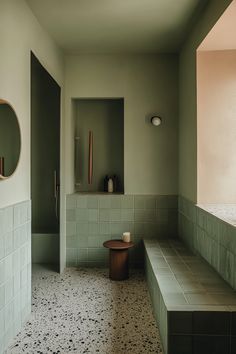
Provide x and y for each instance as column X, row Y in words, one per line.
column 98, row 255
column 97, row 241
column 81, row 215
column 140, row 215
column 92, row 202
column 71, row 257
column 92, row 215
column 161, row 202
column 70, row 228
column 116, row 228
column 82, row 241
column 127, row 202
column 81, row 201
column 71, row 241
column 139, row 228
column 150, row 215
column 82, row 255
column 93, row 228
column 139, row 202
column 150, row 202
column 82, row 228
column 71, row 201
column 104, row 228
column 104, row 202
column 116, row 201
column 162, row 216
column 70, row 215
column 115, row 215
column 127, row 215
column 104, row 214
column 180, row 344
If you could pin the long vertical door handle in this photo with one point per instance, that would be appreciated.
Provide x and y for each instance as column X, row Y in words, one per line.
column 90, row 167
column 56, row 189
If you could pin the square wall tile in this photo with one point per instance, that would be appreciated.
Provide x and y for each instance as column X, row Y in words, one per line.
column 82, row 255
column 215, row 323
column 211, row 344
column 81, row 201
column 70, row 228
column 2, row 272
column 2, row 296
column 71, row 201
column 7, row 219
column 180, row 322
column 150, row 203
column 180, row 344
column 71, row 256
column 82, row 228
column 115, row 215
column 2, row 245
column 139, row 202
column 93, row 228
column 104, row 228
column 116, row 201
column 70, row 215
column 71, row 241
column 127, row 202
column 92, row 202
column 9, row 243
column 127, row 215
column 82, row 241
column 104, row 202
column 81, row 215
column 92, row 215
column 104, row 214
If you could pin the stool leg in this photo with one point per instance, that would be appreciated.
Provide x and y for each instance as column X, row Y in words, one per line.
column 119, row 264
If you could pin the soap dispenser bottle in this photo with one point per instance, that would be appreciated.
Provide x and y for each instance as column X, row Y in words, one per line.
column 110, row 185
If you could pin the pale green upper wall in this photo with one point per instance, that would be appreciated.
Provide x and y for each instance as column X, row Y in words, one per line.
column 187, row 99
column 20, row 33
column 149, row 84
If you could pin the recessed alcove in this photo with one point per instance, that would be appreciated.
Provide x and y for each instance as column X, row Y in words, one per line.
column 104, row 118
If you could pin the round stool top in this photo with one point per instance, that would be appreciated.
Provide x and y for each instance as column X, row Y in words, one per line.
column 118, row 244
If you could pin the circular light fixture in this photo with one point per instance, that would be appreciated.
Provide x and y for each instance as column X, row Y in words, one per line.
column 155, row 120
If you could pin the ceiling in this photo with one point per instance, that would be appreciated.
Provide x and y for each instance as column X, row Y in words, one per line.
column 222, row 36
column 116, row 26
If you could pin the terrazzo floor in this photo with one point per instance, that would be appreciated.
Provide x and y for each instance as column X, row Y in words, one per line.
column 82, row 311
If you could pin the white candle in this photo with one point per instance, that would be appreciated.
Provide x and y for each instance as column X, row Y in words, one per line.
column 126, row 236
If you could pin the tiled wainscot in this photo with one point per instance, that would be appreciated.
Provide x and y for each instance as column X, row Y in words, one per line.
column 15, row 270
column 194, row 307
column 210, row 236
column 93, row 219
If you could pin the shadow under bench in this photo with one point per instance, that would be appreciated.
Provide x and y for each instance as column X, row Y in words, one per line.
column 194, row 307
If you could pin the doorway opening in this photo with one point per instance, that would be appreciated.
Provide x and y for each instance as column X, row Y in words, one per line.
column 216, row 112
column 45, row 166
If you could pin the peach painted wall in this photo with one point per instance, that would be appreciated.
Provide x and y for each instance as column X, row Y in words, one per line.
column 216, row 124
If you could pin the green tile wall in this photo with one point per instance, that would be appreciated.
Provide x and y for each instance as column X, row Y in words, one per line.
column 209, row 236
column 15, row 270
column 158, row 305
column 93, row 219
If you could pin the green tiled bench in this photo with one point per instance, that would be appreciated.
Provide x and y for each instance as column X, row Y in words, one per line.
column 194, row 307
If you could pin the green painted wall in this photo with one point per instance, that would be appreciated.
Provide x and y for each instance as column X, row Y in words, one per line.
column 187, row 98
column 149, row 85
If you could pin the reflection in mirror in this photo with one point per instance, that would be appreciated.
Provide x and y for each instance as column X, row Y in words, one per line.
column 10, row 141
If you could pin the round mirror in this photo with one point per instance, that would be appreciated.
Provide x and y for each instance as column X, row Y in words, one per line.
column 10, row 140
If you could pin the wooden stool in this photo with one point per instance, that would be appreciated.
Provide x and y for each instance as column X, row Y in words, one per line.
column 119, row 258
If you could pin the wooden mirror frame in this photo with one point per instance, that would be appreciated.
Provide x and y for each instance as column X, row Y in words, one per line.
column 2, row 101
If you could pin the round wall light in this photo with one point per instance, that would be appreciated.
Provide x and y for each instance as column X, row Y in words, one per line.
column 155, row 120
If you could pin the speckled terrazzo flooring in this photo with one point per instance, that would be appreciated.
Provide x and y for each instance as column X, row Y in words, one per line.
column 82, row 311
